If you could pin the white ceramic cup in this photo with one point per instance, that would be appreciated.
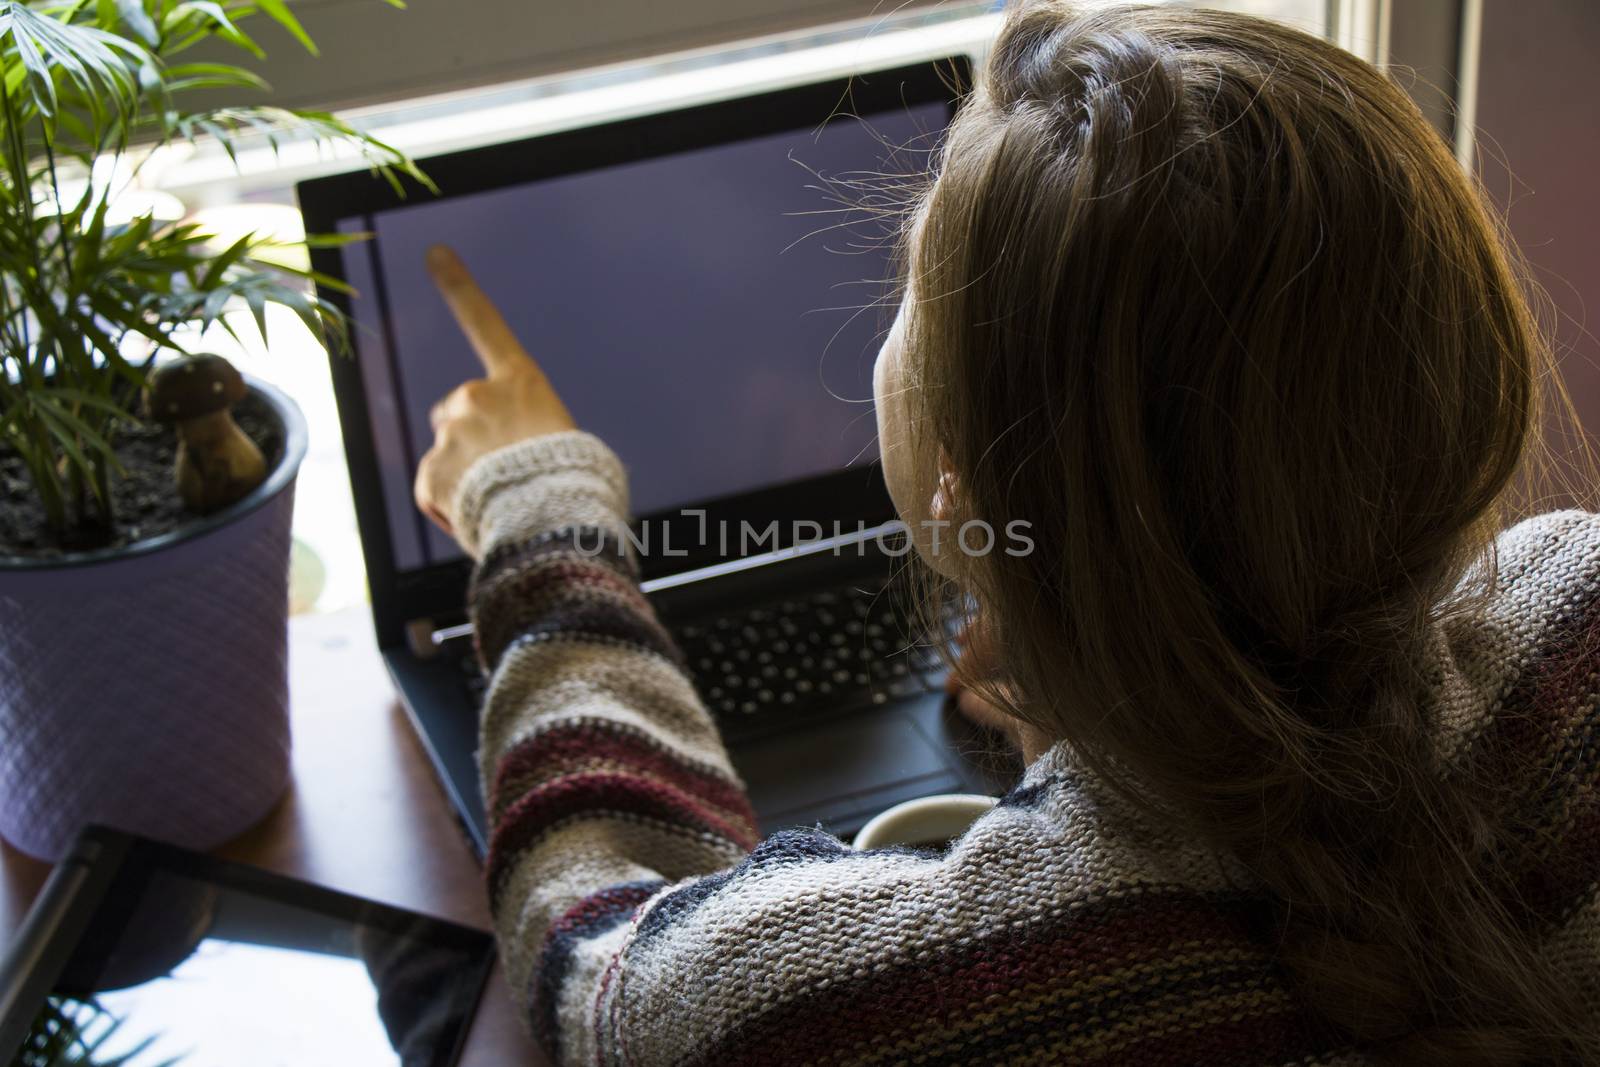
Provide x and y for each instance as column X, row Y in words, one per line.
column 926, row 821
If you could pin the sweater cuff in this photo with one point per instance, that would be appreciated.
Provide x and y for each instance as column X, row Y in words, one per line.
column 545, row 483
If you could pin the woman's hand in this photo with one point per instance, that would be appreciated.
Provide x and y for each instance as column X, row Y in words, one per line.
column 513, row 402
column 976, row 662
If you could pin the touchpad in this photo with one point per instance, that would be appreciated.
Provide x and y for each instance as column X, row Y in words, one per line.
column 842, row 773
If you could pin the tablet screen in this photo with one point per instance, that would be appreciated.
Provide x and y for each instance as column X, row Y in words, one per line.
column 215, row 972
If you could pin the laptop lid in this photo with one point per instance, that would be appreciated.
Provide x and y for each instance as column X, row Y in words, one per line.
column 702, row 286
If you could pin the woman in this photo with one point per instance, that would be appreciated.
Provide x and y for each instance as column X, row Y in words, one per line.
column 1312, row 765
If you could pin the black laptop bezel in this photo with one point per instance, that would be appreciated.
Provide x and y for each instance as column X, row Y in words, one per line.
column 101, row 879
column 846, row 498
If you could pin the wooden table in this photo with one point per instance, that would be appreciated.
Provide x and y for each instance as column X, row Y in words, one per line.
column 364, row 815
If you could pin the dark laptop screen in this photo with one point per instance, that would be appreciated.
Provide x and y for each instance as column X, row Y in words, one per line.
column 703, row 312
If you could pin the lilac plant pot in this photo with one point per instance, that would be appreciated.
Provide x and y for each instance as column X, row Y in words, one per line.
column 146, row 688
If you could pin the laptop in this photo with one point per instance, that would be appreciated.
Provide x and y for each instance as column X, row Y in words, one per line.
column 689, row 284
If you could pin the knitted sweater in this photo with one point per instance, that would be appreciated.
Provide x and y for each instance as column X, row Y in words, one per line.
column 642, row 921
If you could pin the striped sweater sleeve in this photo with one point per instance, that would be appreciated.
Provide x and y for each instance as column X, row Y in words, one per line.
column 604, row 777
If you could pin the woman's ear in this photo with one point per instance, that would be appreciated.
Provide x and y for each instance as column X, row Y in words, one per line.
column 942, row 507
column 936, row 541
column 923, row 493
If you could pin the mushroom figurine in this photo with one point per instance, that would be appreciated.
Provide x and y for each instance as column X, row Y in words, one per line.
column 217, row 463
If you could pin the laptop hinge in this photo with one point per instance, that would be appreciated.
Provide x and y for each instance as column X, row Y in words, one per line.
column 426, row 637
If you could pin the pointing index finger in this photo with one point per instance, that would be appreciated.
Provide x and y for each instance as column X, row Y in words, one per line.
column 497, row 347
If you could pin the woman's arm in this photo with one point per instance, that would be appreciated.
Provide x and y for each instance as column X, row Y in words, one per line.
column 604, row 777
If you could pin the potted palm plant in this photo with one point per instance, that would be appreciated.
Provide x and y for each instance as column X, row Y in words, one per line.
column 143, row 594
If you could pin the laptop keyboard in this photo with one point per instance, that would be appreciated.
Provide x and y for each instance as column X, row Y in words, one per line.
column 835, row 649
column 826, row 649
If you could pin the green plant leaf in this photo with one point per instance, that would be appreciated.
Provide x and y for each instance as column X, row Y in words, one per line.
column 274, row 124
column 76, row 127
column 212, row 76
column 279, row 12
column 216, row 22
column 221, row 134
column 95, row 60
column 89, row 400
column 130, row 319
column 303, row 307
column 79, row 324
column 220, row 265
column 258, row 311
column 327, row 281
column 87, row 256
column 316, row 277
column 38, row 71
column 216, row 300
column 73, row 435
column 335, row 240
column 139, row 21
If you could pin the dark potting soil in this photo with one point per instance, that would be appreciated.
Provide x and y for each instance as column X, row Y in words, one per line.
column 145, row 501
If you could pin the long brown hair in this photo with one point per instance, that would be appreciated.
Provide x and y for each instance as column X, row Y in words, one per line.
column 1207, row 303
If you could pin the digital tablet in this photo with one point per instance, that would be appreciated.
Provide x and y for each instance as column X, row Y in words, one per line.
column 144, row 955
